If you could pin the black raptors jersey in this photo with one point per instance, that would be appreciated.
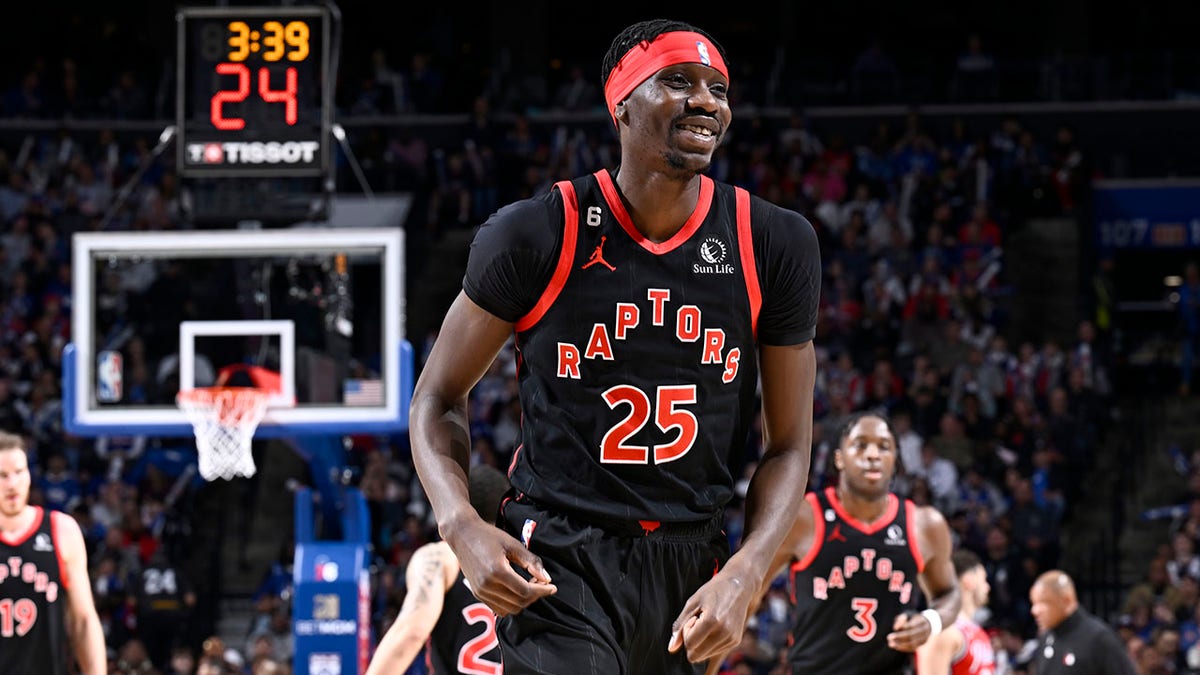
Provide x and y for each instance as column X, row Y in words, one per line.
column 850, row 587
column 33, row 639
column 464, row 638
column 637, row 367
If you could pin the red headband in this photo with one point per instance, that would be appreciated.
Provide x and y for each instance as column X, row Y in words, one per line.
column 647, row 58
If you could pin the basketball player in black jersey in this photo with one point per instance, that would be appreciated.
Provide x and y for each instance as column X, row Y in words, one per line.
column 45, row 593
column 439, row 611
column 645, row 301
column 854, row 553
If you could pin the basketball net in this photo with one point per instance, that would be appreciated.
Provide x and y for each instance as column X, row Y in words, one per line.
column 224, row 420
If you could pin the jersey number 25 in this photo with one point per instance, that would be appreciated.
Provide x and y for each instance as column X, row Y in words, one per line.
column 668, row 416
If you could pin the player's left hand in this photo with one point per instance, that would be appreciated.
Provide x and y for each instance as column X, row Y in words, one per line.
column 909, row 631
column 713, row 619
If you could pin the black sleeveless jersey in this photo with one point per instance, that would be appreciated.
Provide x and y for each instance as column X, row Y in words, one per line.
column 464, row 638
column 850, row 587
column 33, row 637
column 637, row 366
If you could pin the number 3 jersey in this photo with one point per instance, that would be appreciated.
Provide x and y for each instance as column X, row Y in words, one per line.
column 637, row 360
column 849, row 588
column 33, row 599
column 464, row 638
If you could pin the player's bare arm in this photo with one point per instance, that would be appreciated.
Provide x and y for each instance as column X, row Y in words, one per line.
column 83, row 624
column 470, row 339
column 938, row 581
column 936, row 656
column 713, row 619
column 430, row 572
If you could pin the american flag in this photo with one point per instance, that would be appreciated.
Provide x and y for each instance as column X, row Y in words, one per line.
column 362, row 392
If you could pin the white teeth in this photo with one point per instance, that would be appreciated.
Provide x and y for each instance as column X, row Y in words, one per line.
column 695, row 129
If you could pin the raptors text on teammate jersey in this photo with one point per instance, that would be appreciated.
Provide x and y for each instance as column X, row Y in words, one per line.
column 866, row 562
column 688, row 322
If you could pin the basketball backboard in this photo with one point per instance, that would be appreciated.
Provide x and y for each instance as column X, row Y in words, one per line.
column 157, row 312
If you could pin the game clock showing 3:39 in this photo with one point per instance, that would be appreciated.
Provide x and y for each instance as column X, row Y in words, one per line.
column 254, row 96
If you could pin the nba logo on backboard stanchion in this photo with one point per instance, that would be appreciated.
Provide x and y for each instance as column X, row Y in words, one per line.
column 326, row 569
column 109, row 383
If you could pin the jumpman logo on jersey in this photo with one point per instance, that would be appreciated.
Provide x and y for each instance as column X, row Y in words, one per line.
column 597, row 257
column 836, row 534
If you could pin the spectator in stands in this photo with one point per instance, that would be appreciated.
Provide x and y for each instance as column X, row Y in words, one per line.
column 577, row 92
column 183, row 661
column 975, row 76
column 941, row 475
column 874, row 78
column 1184, row 561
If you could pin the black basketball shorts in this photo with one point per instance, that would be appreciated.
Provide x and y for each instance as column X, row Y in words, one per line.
column 620, row 587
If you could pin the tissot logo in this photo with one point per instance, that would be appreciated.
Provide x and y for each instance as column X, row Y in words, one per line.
column 291, row 152
column 713, row 252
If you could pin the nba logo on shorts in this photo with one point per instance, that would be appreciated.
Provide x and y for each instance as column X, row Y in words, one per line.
column 109, row 384
column 527, row 531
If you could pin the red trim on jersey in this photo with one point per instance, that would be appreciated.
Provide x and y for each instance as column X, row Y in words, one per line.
column 565, row 258
column 689, row 228
column 746, row 251
column 913, row 544
column 20, row 538
column 64, row 578
column 818, row 534
column 814, row 548
column 512, row 464
column 889, row 514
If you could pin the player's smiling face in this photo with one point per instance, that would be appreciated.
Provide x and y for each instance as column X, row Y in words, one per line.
column 867, row 457
column 680, row 114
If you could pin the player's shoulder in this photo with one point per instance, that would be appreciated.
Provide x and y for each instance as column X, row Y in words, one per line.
column 68, row 536
column 799, row 537
column 525, row 222
column 927, row 517
column 434, row 551
column 769, row 216
column 434, row 558
column 63, row 524
column 952, row 639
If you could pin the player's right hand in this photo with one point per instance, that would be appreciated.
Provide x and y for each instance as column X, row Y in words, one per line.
column 487, row 555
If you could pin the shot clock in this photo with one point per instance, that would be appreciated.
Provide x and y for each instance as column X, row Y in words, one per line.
column 254, row 96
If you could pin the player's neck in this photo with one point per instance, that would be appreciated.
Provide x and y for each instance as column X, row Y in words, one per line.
column 864, row 508
column 659, row 205
column 967, row 611
column 14, row 526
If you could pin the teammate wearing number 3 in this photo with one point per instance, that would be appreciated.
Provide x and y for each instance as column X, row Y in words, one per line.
column 45, row 594
column 858, row 557
column 638, row 382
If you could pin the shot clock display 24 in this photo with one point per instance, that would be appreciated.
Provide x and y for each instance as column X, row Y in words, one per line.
column 254, row 94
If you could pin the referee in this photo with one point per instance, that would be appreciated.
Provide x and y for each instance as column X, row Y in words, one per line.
column 1072, row 640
